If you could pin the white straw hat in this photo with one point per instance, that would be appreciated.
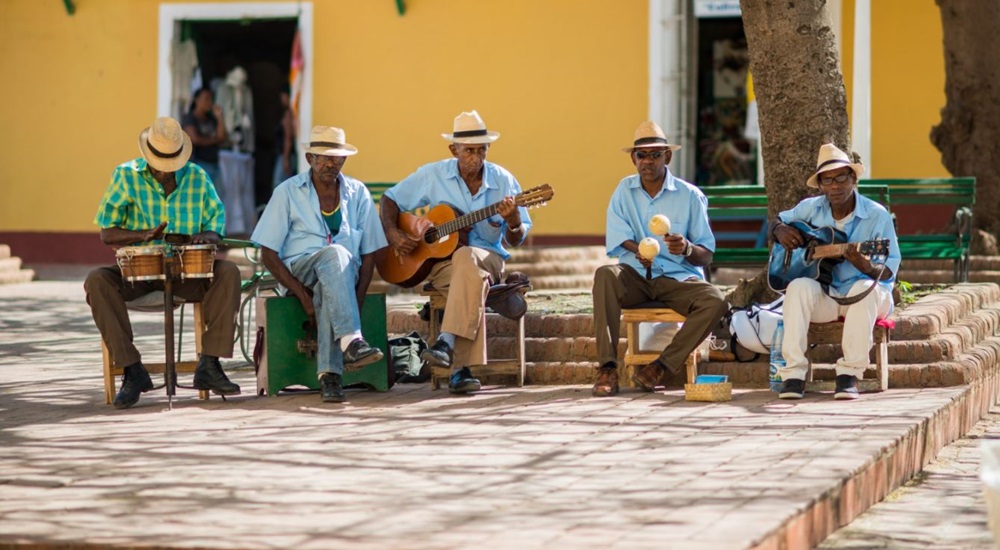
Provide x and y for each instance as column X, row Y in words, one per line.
column 649, row 135
column 470, row 128
column 165, row 145
column 329, row 141
column 831, row 158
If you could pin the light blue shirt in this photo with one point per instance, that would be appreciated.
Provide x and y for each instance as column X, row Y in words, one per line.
column 871, row 221
column 629, row 213
column 293, row 226
column 440, row 183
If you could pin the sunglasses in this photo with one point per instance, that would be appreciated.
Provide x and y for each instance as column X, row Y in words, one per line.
column 642, row 155
column 838, row 179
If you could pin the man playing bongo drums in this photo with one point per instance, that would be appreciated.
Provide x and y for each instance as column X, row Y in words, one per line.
column 157, row 193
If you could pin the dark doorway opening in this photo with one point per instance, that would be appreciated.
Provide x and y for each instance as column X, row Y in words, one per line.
column 263, row 47
column 724, row 156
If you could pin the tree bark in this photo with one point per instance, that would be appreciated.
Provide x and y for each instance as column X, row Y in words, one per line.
column 969, row 133
column 801, row 98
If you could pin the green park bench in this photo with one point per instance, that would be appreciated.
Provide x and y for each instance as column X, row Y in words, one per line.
column 377, row 189
column 745, row 207
column 915, row 203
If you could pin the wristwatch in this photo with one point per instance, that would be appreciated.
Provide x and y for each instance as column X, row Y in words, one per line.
column 688, row 249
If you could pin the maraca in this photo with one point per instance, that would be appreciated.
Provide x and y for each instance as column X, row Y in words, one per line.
column 648, row 249
column 659, row 225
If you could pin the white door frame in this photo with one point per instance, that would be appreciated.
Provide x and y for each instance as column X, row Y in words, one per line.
column 171, row 14
column 670, row 93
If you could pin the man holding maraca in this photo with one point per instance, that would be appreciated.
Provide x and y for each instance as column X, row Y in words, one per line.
column 657, row 227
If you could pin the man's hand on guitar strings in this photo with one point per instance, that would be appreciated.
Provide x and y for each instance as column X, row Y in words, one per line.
column 507, row 208
column 402, row 242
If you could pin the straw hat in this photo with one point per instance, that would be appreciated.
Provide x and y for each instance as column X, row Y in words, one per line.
column 469, row 128
column 649, row 135
column 165, row 145
column 329, row 141
column 831, row 158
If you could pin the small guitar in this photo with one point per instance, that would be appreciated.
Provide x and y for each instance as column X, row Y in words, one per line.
column 440, row 239
column 824, row 249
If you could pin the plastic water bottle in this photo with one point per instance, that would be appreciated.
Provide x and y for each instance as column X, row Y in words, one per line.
column 777, row 359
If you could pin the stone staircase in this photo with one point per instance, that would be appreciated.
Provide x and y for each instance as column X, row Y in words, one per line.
column 10, row 268
column 549, row 268
column 948, row 338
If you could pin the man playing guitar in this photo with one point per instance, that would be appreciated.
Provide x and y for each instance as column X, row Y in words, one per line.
column 806, row 299
column 466, row 183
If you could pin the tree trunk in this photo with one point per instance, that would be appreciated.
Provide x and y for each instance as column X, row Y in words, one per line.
column 800, row 92
column 969, row 134
column 801, row 102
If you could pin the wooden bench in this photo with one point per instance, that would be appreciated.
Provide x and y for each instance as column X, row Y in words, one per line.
column 515, row 366
column 915, row 202
column 833, row 333
column 745, row 207
column 377, row 189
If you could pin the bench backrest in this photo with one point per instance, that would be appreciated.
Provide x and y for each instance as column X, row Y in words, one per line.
column 377, row 189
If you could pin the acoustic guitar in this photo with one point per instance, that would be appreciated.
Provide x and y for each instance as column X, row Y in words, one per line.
column 824, row 249
column 440, row 239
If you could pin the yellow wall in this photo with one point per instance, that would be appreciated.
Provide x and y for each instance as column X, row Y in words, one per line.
column 564, row 81
column 907, row 88
column 907, row 85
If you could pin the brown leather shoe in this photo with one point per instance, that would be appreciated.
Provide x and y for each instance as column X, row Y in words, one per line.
column 607, row 381
column 648, row 377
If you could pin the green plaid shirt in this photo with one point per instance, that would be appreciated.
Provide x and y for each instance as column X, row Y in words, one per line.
column 134, row 200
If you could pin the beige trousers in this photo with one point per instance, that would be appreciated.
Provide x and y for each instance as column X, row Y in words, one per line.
column 465, row 280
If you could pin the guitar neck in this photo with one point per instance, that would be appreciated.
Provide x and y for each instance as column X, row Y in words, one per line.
column 830, row 250
column 467, row 220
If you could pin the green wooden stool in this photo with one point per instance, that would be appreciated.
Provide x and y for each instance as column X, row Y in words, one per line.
column 289, row 354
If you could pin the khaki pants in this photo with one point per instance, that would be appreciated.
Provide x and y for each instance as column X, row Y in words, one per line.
column 107, row 293
column 465, row 280
column 618, row 286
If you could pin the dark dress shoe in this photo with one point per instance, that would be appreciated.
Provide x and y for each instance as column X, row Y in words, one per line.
column 208, row 375
column 847, row 387
column 463, row 382
column 359, row 354
column 793, row 388
column 135, row 381
column 330, row 388
column 648, row 377
column 607, row 381
column 438, row 355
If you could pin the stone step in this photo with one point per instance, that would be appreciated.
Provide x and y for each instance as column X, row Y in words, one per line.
column 15, row 277
column 10, row 264
column 542, row 269
column 946, row 277
column 533, row 254
column 4, row 251
column 976, row 263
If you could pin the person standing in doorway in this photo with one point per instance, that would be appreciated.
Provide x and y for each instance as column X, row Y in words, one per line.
column 204, row 126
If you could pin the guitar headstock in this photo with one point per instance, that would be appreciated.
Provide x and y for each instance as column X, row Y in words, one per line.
column 536, row 196
column 877, row 248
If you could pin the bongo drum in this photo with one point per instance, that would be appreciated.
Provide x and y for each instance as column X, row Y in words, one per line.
column 197, row 261
column 141, row 263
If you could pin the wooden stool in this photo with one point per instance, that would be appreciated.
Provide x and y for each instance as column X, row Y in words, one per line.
column 508, row 367
column 833, row 333
column 148, row 304
column 634, row 357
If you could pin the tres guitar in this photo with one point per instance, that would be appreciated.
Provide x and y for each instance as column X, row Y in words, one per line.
column 824, row 249
column 440, row 238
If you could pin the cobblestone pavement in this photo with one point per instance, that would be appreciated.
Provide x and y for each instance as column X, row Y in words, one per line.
column 942, row 508
column 409, row 468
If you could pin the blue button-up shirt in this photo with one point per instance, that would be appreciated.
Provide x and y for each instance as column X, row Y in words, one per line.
column 293, row 226
column 440, row 183
column 871, row 221
column 629, row 213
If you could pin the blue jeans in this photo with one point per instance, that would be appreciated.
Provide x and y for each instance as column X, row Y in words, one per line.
column 332, row 276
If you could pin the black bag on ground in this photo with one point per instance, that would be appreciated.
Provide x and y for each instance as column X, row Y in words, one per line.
column 404, row 356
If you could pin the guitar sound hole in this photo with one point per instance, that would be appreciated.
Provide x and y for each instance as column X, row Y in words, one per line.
column 431, row 236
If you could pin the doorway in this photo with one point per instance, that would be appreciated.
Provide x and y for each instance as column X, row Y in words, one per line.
column 263, row 48
column 724, row 156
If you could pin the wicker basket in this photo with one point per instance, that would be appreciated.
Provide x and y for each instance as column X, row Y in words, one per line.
column 708, row 392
